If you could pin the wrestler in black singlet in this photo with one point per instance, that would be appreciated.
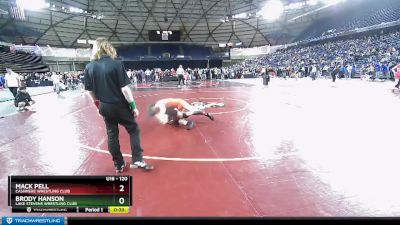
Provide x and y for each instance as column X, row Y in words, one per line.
column 172, row 114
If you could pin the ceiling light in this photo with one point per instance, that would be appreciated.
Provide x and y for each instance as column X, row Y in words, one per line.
column 31, row 5
column 272, row 10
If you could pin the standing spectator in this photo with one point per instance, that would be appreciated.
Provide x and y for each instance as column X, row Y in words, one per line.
column 196, row 73
column 148, row 75
column 56, row 82
column 2, row 81
column 180, row 73
column 343, row 71
column 129, row 73
column 142, row 76
column 82, row 81
column 334, row 73
column 314, row 72
column 349, row 71
column 371, row 71
column 157, row 75
column 263, row 71
column 385, row 71
column 12, row 81
column 325, row 71
column 378, row 71
column 396, row 72
column 353, row 70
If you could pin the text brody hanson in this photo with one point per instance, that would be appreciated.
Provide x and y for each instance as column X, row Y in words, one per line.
column 39, row 198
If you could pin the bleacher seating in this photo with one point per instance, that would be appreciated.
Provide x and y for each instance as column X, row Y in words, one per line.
column 133, row 52
column 156, row 51
column 363, row 52
column 22, row 63
column 196, row 51
column 370, row 13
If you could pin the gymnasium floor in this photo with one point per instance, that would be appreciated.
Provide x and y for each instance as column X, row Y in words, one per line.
column 296, row 148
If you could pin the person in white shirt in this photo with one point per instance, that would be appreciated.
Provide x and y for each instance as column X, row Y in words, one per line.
column 216, row 72
column 134, row 76
column 180, row 72
column 129, row 73
column 314, row 72
column 56, row 82
column 263, row 71
column 147, row 73
column 12, row 81
column 325, row 71
column 349, row 69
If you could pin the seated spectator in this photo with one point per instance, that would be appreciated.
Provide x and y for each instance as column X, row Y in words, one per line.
column 23, row 99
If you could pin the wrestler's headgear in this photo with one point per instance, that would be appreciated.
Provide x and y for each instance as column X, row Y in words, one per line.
column 152, row 110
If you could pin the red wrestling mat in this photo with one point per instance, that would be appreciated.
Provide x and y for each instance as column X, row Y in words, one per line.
column 269, row 152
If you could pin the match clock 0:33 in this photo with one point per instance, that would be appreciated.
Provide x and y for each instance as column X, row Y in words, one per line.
column 118, row 209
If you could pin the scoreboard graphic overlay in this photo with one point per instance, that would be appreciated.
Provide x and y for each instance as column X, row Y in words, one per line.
column 70, row 194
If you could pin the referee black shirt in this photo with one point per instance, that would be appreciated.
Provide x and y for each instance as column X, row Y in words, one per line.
column 105, row 77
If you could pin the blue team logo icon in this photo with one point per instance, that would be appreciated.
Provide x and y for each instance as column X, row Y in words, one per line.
column 9, row 220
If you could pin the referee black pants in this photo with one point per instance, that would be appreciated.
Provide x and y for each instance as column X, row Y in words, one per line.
column 180, row 78
column 13, row 90
column 113, row 115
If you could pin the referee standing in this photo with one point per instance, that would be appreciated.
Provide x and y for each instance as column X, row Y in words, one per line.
column 108, row 85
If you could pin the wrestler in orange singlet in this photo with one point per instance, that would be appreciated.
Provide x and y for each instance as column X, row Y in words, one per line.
column 176, row 111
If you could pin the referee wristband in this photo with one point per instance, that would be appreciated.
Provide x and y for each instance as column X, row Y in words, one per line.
column 97, row 103
column 133, row 105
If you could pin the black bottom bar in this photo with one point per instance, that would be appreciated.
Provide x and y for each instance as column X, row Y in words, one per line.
column 212, row 221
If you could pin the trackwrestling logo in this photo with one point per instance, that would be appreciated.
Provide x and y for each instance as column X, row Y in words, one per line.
column 33, row 220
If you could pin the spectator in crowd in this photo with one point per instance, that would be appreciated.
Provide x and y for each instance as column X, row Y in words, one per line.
column 396, row 72
column 147, row 76
column 23, row 99
column 2, row 81
column 357, row 53
column 334, row 73
column 180, row 73
column 349, row 71
column 56, row 82
column 12, row 81
column 314, row 72
column 129, row 73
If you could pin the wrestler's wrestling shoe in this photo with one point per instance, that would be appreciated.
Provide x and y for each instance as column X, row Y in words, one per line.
column 141, row 165
column 120, row 168
column 190, row 125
